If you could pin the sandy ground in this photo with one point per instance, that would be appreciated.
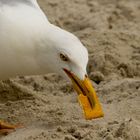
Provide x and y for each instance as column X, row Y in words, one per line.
column 47, row 105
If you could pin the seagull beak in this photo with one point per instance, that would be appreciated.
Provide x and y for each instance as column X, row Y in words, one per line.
column 86, row 96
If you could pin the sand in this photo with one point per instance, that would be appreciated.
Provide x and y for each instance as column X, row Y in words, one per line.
column 47, row 105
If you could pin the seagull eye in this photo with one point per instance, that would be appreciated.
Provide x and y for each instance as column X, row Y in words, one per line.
column 64, row 57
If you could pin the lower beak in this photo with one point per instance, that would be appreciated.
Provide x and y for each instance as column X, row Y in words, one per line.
column 86, row 96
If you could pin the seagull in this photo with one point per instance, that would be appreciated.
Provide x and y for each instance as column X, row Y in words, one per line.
column 31, row 45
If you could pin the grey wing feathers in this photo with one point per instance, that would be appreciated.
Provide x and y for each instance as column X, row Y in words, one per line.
column 15, row 2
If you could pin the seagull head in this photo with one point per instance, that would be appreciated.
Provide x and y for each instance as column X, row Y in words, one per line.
column 68, row 57
column 71, row 55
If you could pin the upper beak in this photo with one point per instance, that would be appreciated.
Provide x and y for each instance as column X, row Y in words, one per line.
column 86, row 96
